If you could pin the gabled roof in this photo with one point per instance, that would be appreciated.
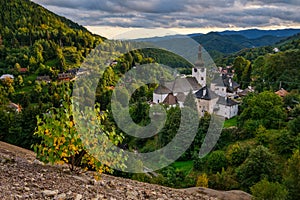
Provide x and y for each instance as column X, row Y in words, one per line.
column 219, row 81
column 161, row 89
column 226, row 101
column 23, row 70
column 181, row 97
column 282, row 92
column 206, row 94
column 185, row 84
column 194, row 83
column 226, row 81
column 170, row 100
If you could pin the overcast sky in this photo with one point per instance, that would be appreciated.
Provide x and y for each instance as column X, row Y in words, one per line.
column 183, row 16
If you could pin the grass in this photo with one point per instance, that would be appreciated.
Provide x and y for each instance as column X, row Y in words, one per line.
column 230, row 122
column 185, row 166
column 52, row 63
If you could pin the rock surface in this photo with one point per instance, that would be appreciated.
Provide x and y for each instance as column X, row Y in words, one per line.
column 23, row 177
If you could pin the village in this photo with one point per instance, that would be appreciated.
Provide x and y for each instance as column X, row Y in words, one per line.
column 221, row 97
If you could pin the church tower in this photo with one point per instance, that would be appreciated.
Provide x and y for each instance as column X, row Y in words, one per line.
column 199, row 71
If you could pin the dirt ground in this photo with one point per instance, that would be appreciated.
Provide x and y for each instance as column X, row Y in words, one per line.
column 24, row 177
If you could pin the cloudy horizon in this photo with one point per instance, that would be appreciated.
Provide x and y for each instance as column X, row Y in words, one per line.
column 190, row 16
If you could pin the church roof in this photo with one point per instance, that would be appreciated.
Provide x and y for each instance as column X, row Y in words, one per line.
column 183, row 84
column 219, row 81
column 194, row 83
column 161, row 89
column 226, row 101
column 206, row 94
column 170, row 100
column 181, row 97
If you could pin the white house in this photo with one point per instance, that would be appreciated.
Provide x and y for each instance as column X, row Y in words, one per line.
column 226, row 107
column 5, row 76
column 206, row 100
column 160, row 93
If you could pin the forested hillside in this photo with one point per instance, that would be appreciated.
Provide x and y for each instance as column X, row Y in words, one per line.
column 35, row 42
column 32, row 36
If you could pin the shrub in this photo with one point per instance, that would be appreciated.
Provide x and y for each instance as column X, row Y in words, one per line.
column 61, row 143
column 202, row 181
column 265, row 190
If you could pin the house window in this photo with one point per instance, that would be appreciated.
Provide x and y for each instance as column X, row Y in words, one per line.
column 202, row 78
column 195, row 70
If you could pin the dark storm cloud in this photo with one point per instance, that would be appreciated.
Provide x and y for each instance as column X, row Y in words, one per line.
column 151, row 6
column 178, row 13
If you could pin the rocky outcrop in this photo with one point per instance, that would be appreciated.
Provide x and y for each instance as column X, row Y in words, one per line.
column 23, row 177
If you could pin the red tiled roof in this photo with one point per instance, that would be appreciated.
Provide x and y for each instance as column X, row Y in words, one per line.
column 282, row 92
column 23, row 70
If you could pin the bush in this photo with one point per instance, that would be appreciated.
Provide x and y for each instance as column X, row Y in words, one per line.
column 259, row 164
column 224, row 180
column 265, row 190
column 216, row 161
column 236, row 154
column 202, row 181
column 61, row 143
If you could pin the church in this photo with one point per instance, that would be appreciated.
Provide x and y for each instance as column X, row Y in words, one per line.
column 217, row 98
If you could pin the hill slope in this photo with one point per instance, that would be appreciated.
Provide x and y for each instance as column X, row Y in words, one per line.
column 23, row 177
column 256, row 33
column 227, row 44
column 31, row 35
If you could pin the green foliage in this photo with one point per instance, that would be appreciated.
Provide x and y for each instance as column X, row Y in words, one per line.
column 202, row 181
column 275, row 70
column 224, row 180
column 17, row 127
column 236, row 154
column 216, row 43
column 292, row 176
column 264, row 109
column 166, row 58
column 259, row 164
column 230, row 122
column 216, row 161
column 265, row 190
column 61, row 143
column 242, row 68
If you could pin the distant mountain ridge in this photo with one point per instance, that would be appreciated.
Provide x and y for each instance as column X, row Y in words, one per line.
column 256, row 33
column 227, row 42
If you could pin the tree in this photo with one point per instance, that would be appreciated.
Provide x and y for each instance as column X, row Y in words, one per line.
column 265, row 190
column 259, row 164
column 224, row 180
column 236, row 154
column 258, row 73
column 242, row 68
column 216, row 161
column 292, row 176
column 264, row 109
column 61, row 143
